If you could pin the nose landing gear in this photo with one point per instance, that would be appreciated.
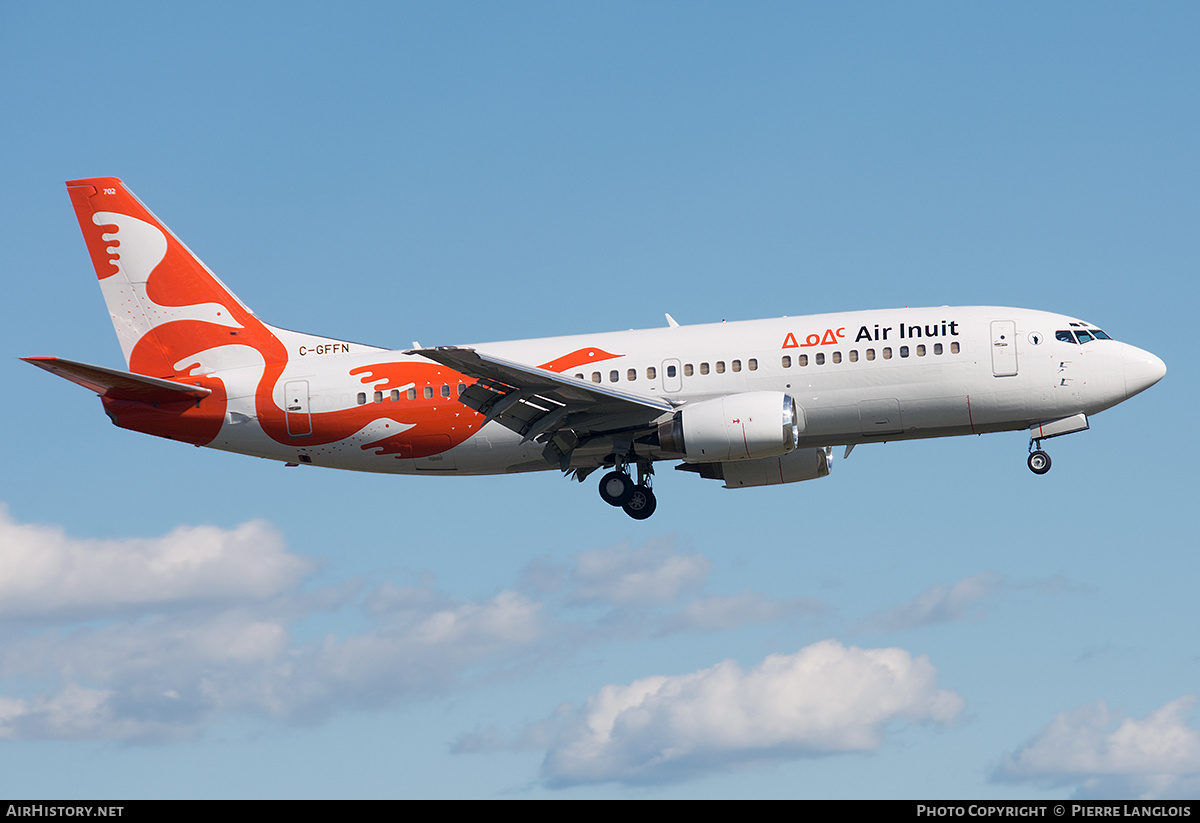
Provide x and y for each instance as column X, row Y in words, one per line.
column 618, row 489
column 1039, row 461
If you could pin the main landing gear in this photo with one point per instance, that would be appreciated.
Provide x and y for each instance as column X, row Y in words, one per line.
column 618, row 489
column 1039, row 461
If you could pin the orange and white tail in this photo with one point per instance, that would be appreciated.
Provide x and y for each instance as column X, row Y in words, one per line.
column 165, row 304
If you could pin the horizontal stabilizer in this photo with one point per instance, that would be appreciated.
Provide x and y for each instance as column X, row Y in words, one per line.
column 120, row 385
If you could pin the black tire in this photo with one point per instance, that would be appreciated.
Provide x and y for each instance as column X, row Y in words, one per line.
column 641, row 503
column 1039, row 462
column 616, row 488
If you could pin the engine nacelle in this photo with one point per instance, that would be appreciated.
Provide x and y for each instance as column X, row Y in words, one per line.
column 744, row 426
column 801, row 464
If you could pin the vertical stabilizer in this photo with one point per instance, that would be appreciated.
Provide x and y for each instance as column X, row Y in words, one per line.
column 164, row 302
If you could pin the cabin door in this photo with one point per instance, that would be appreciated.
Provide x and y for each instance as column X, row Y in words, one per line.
column 1004, row 348
column 295, row 400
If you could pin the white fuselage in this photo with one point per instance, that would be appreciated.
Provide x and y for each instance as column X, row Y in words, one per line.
column 855, row 376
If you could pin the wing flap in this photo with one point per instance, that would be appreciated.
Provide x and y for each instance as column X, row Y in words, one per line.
column 536, row 402
column 120, row 385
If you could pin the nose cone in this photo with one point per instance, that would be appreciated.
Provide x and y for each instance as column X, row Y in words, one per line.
column 1142, row 370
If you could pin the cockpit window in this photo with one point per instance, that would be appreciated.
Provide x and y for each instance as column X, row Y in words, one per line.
column 1068, row 336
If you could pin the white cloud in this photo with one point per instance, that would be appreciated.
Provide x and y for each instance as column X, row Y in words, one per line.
column 51, row 715
column 825, row 699
column 941, row 604
column 418, row 654
column 1106, row 754
column 44, row 572
column 721, row 612
column 154, row 638
column 651, row 590
column 165, row 676
column 647, row 576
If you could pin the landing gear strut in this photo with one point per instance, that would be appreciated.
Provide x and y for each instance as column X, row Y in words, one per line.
column 1039, row 461
column 618, row 489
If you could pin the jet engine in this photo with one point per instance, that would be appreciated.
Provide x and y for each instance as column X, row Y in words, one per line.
column 801, row 464
column 744, row 426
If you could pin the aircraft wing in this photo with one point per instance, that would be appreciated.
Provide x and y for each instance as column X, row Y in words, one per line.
column 533, row 402
column 120, row 385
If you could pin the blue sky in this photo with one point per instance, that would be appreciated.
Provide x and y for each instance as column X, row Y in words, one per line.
column 930, row 621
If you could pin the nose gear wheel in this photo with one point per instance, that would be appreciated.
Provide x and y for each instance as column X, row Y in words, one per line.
column 1039, row 462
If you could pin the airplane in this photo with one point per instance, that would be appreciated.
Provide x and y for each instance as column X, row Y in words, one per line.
column 751, row 403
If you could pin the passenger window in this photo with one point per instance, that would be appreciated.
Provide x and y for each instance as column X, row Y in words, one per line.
column 753, row 364
column 854, row 355
column 378, row 397
column 462, row 387
column 720, row 367
column 920, row 351
column 786, row 361
column 887, row 353
column 820, row 357
column 445, row 390
column 362, row 398
column 428, row 392
column 687, row 369
column 412, row 394
column 937, row 348
column 837, row 357
column 631, row 374
column 802, row 360
column 870, row 354
column 395, row 395
column 580, row 376
column 736, row 365
column 904, row 351
column 614, row 376
column 651, row 372
column 954, row 348
column 595, row 377
column 704, row 368
column 671, row 371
